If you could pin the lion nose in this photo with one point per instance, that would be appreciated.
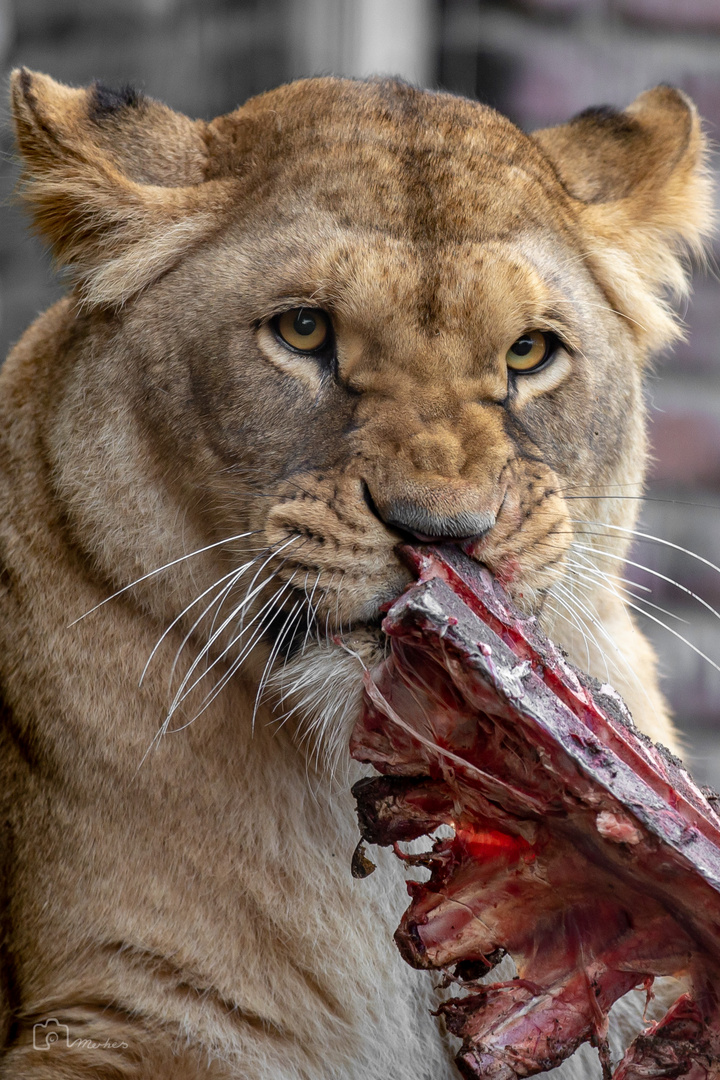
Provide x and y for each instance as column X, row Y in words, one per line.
column 423, row 524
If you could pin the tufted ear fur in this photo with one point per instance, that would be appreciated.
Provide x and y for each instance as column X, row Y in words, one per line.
column 115, row 182
column 645, row 190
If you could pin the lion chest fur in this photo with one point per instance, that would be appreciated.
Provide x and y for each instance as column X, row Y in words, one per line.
column 200, row 524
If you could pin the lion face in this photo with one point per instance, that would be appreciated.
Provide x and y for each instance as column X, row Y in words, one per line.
column 330, row 302
column 406, row 420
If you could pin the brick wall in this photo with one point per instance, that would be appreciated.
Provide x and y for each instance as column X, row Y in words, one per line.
column 539, row 61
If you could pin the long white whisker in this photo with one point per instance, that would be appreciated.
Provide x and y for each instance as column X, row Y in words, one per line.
column 573, row 604
column 597, row 623
column 251, row 593
column 653, row 573
column 338, row 624
column 577, row 624
column 240, row 608
column 606, row 573
column 216, row 615
column 234, row 640
column 249, row 596
column 237, row 663
column 654, row 539
column 312, row 616
column 670, row 630
column 152, row 573
column 571, row 621
column 271, row 659
column 233, row 574
column 352, row 652
column 597, row 578
column 608, row 587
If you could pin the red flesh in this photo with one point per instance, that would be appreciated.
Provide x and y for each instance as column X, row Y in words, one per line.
column 580, row 848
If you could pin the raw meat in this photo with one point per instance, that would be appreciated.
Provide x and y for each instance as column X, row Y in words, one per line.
column 580, row 848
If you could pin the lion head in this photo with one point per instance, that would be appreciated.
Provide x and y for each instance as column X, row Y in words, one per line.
column 347, row 314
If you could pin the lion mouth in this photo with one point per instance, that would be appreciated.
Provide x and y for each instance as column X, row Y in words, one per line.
column 298, row 623
column 296, row 626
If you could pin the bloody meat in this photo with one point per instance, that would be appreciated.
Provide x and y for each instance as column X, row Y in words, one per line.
column 580, row 848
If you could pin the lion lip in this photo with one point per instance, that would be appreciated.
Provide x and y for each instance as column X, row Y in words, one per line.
column 473, row 538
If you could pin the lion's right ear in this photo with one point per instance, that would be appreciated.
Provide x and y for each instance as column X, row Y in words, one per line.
column 115, row 181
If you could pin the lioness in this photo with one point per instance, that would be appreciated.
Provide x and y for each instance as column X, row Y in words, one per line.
column 344, row 314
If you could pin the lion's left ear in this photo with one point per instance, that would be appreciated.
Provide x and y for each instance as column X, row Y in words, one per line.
column 644, row 199
column 114, row 180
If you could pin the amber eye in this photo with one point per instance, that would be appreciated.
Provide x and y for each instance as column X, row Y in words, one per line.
column 303, row 329
column 529, row 351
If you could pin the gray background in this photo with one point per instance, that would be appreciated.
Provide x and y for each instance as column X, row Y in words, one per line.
column 539, row 61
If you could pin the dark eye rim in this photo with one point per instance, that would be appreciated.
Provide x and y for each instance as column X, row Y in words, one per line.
column 553, row 344
column 326, row 349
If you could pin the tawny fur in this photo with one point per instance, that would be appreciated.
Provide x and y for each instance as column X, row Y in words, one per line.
column 176, row 875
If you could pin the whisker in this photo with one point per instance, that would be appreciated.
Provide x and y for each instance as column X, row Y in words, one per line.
column 570, row 620
column 251, row 592
column 242, row 607
column 217, row 602
column 164, row 728
column 606, row 573
column 236, row 664
column 338, row 623
column 312, row 612
column 267, row 606
column 675, row 633
column 271, row 659
column 597, row 623
column 581, row 609
column 574, row 620
column 238, row 609
column 659, row 622
column 233, row 574
column 239, row 659
column 640, row 498
column 657, row 574
column 259, row 555
column 159, row 570
column 597, row 578
column 654, row 539
column 352, row 652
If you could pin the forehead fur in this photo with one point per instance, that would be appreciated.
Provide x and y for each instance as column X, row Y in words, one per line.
column 425, row 166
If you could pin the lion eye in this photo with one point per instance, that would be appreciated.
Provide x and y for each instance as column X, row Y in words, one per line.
column 530, row 351
column 303, row 329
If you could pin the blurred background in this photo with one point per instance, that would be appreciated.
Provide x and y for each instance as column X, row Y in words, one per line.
column 538, row 61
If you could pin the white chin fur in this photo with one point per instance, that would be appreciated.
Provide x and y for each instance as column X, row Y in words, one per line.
column 319, row 693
